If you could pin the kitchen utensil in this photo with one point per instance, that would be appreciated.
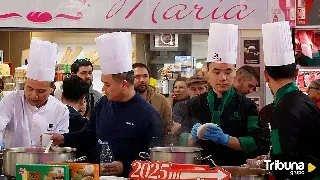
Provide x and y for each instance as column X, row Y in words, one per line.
column 48, row 146
column 245, row 173
column 34, row 155
column 174, row 154
column 45, row 139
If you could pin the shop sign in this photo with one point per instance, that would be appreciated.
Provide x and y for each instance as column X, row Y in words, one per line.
column 282, row 10
column 308, row 12
column 145, row 170
column 132, row 14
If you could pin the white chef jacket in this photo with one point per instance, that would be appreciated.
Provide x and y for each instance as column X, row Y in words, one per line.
column 21, row 124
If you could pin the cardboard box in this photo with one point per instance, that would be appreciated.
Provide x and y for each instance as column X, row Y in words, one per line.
column 82, row 171
column 42, row 172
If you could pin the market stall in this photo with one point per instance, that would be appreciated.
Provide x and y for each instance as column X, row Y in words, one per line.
column 73, row 25
column 164, row 34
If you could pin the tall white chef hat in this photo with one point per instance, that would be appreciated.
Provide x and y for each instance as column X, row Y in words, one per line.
column 115, row 52
column 223, row 43
column 42, row 60
column 277, row 44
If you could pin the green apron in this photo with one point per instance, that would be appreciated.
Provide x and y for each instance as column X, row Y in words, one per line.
column 216, row 114
column 226, row 98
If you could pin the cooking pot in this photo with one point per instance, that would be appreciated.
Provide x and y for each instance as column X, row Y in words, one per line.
column 175, row 154
column 246, row 173
column 35, row 155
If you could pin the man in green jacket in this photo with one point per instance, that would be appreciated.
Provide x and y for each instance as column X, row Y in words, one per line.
column 295, row 121
column 237, row 135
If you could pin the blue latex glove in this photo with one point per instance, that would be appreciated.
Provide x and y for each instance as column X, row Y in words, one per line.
column 215, row 133
column 194, row 131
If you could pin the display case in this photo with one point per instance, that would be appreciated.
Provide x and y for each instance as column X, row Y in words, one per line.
column 306, row 76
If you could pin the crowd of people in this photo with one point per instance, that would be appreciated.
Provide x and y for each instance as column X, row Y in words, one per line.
column 132, row 116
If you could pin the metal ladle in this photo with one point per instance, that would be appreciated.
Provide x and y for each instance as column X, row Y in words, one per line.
column 48, row 146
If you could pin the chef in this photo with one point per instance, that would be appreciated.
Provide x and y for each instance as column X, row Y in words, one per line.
column 237, row 134
column 122, row 118
column 295, row 121
column 26, row 115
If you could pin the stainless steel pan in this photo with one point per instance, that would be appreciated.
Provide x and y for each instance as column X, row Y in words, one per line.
column 35, row 155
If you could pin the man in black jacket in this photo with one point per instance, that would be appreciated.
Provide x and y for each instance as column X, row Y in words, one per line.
column 295, row 120
column 236, row 135
column 74, row 91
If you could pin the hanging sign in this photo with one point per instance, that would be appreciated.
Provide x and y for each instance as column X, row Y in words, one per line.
column 282, row 10
column 132, row 14
column 308, row 13
column 145, row 170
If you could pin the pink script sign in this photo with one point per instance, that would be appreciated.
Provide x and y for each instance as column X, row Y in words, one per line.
column 132, row 14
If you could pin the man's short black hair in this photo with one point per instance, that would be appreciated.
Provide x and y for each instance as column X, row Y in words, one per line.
column 141, row 65
column 79, row 63
column 127, row 76
column 282, row 72
column 75, row 88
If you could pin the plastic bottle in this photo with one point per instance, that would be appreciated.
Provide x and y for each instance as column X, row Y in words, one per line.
column 66, row 68
column 106, row 155
column 165, row 86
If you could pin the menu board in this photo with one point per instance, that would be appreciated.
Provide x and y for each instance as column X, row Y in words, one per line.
column 251, row 52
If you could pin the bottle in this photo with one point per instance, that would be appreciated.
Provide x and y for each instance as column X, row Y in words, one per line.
column 106, row 156
column 165, row 86
column 66, row 68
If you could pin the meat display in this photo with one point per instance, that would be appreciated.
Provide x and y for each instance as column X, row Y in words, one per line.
column 305, row 78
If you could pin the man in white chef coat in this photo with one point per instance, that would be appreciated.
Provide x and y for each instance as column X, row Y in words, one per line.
column 26, row 115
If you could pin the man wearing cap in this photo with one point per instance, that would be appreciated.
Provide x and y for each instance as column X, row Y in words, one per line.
column 197, row 84
column 295, row 121
column 236, row 134
column 26, row 115
column 122, row 118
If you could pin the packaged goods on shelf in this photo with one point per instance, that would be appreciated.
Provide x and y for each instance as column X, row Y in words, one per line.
column 9, row 86
column 7, row 79
column 20, row 74
column 4, row 69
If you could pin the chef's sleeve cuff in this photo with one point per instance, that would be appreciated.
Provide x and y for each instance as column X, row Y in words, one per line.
column 183, row 140
column 247, row 144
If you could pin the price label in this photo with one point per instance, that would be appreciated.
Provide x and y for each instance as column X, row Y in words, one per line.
column 143, row 170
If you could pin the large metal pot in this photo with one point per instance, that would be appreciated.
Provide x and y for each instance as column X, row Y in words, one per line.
column 174, row 154
column 246, row 173
column 33, row 155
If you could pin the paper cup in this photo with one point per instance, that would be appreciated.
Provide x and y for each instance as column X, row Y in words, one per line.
column 45, row 139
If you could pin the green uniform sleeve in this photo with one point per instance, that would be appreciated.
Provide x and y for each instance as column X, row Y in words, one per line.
column 254, row 142
column 248, row 144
